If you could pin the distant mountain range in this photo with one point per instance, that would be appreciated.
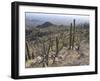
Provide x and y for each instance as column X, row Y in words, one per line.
column 49, row 24
column 44, row 25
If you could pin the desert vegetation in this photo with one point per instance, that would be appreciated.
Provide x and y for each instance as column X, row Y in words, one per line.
column 50, row 45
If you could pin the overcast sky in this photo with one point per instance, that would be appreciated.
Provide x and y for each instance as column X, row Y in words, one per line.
column 65, row 19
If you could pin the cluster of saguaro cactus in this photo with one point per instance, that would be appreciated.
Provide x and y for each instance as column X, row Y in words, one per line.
column 46, row 46
column 72, row 35
column 46, row 50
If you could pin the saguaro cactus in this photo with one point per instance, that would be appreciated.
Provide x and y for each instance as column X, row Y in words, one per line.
column 73, row 34
column 44, row 55
column 47, row 53
column 28, row 53
column 46, row 50
column 70, row 36
column 57, row 49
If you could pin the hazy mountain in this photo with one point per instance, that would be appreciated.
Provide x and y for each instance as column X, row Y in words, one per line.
column 46, row 24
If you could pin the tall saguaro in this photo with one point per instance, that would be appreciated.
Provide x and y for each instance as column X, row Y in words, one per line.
column 73, row 34
column 70, row 36
column 28, row 53
column 57, row 49
column 46, row 50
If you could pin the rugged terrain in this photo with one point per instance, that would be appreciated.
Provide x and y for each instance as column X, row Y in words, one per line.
column 50, row 45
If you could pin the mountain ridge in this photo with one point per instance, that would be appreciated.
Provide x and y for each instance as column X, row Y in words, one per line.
column 45, row 24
